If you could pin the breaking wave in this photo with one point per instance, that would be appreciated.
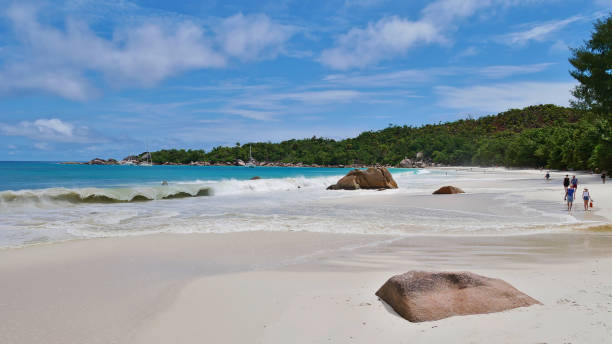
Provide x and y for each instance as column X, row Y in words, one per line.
column 143, row 193
column 100, row 195
column 176, row 190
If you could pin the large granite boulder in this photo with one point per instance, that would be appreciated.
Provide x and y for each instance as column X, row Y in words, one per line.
column 424, row 296
column 406, row 163
column 448, row 190
column 372, row 178
column 239, row 162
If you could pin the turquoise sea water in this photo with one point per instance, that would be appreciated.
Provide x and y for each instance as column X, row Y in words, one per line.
column 41, row 175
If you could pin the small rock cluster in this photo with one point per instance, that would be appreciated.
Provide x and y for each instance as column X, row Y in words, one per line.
column 129, row 160
column 419, row 162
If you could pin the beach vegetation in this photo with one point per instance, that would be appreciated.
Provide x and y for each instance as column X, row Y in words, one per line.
column 543, row 136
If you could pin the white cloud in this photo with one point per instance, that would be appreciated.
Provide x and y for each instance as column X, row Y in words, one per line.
column 319, row 97
column 402, row 78
column 252, row 37
column 538, row 33
column 23, row 77
column 252, row 114
column 271, row 105
column 499, row 97
column 560, row 46
column 392, row 36
column 406, row 77
column 444, row 12
column 467, row 52
column 55, row 125
column 57, row 60
column 51, row 129
column 497, row 72
column 363, row 3
column 388, row 37
column 42, row 145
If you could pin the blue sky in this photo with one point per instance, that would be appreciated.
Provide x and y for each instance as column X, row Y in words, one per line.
column 82, row 79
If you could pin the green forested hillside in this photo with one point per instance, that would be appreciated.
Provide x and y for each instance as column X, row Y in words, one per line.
column 537, row 136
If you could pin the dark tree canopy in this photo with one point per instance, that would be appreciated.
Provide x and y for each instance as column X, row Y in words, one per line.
column 593, row 69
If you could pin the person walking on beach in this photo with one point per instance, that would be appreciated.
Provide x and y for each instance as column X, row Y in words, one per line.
column 566, row 184
column 603, row 177
column 586, row 197
column 547, row 176
column 571, row 192
column 574, row 182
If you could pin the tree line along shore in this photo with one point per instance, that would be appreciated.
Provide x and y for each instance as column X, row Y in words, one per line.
column 543, row 136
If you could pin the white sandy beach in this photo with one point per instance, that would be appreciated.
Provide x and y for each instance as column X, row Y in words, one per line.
column 317, row 287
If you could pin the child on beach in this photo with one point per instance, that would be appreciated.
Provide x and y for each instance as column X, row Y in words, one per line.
column 566, row 183
column 547, row 176
column 571, row 192
column 586, row 197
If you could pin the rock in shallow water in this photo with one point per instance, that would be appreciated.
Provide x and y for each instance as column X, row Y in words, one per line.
column 424, row 296
column 372, row 178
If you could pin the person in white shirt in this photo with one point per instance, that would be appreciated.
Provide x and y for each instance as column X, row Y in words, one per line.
column 586, row 197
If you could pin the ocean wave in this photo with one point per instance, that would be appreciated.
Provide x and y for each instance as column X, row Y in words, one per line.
column 236, row 186
column 100, row 195
column 143, row 193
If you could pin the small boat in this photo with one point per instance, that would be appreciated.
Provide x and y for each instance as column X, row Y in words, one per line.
column 149, row 161
column 251, row 162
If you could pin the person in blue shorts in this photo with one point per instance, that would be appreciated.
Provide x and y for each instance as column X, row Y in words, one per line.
column 571, row 192
column 586, row 197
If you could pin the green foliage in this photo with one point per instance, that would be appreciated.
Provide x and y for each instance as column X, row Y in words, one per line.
column 593, row 69
column 537, row 136
column 601, row 158
column 180, row 156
